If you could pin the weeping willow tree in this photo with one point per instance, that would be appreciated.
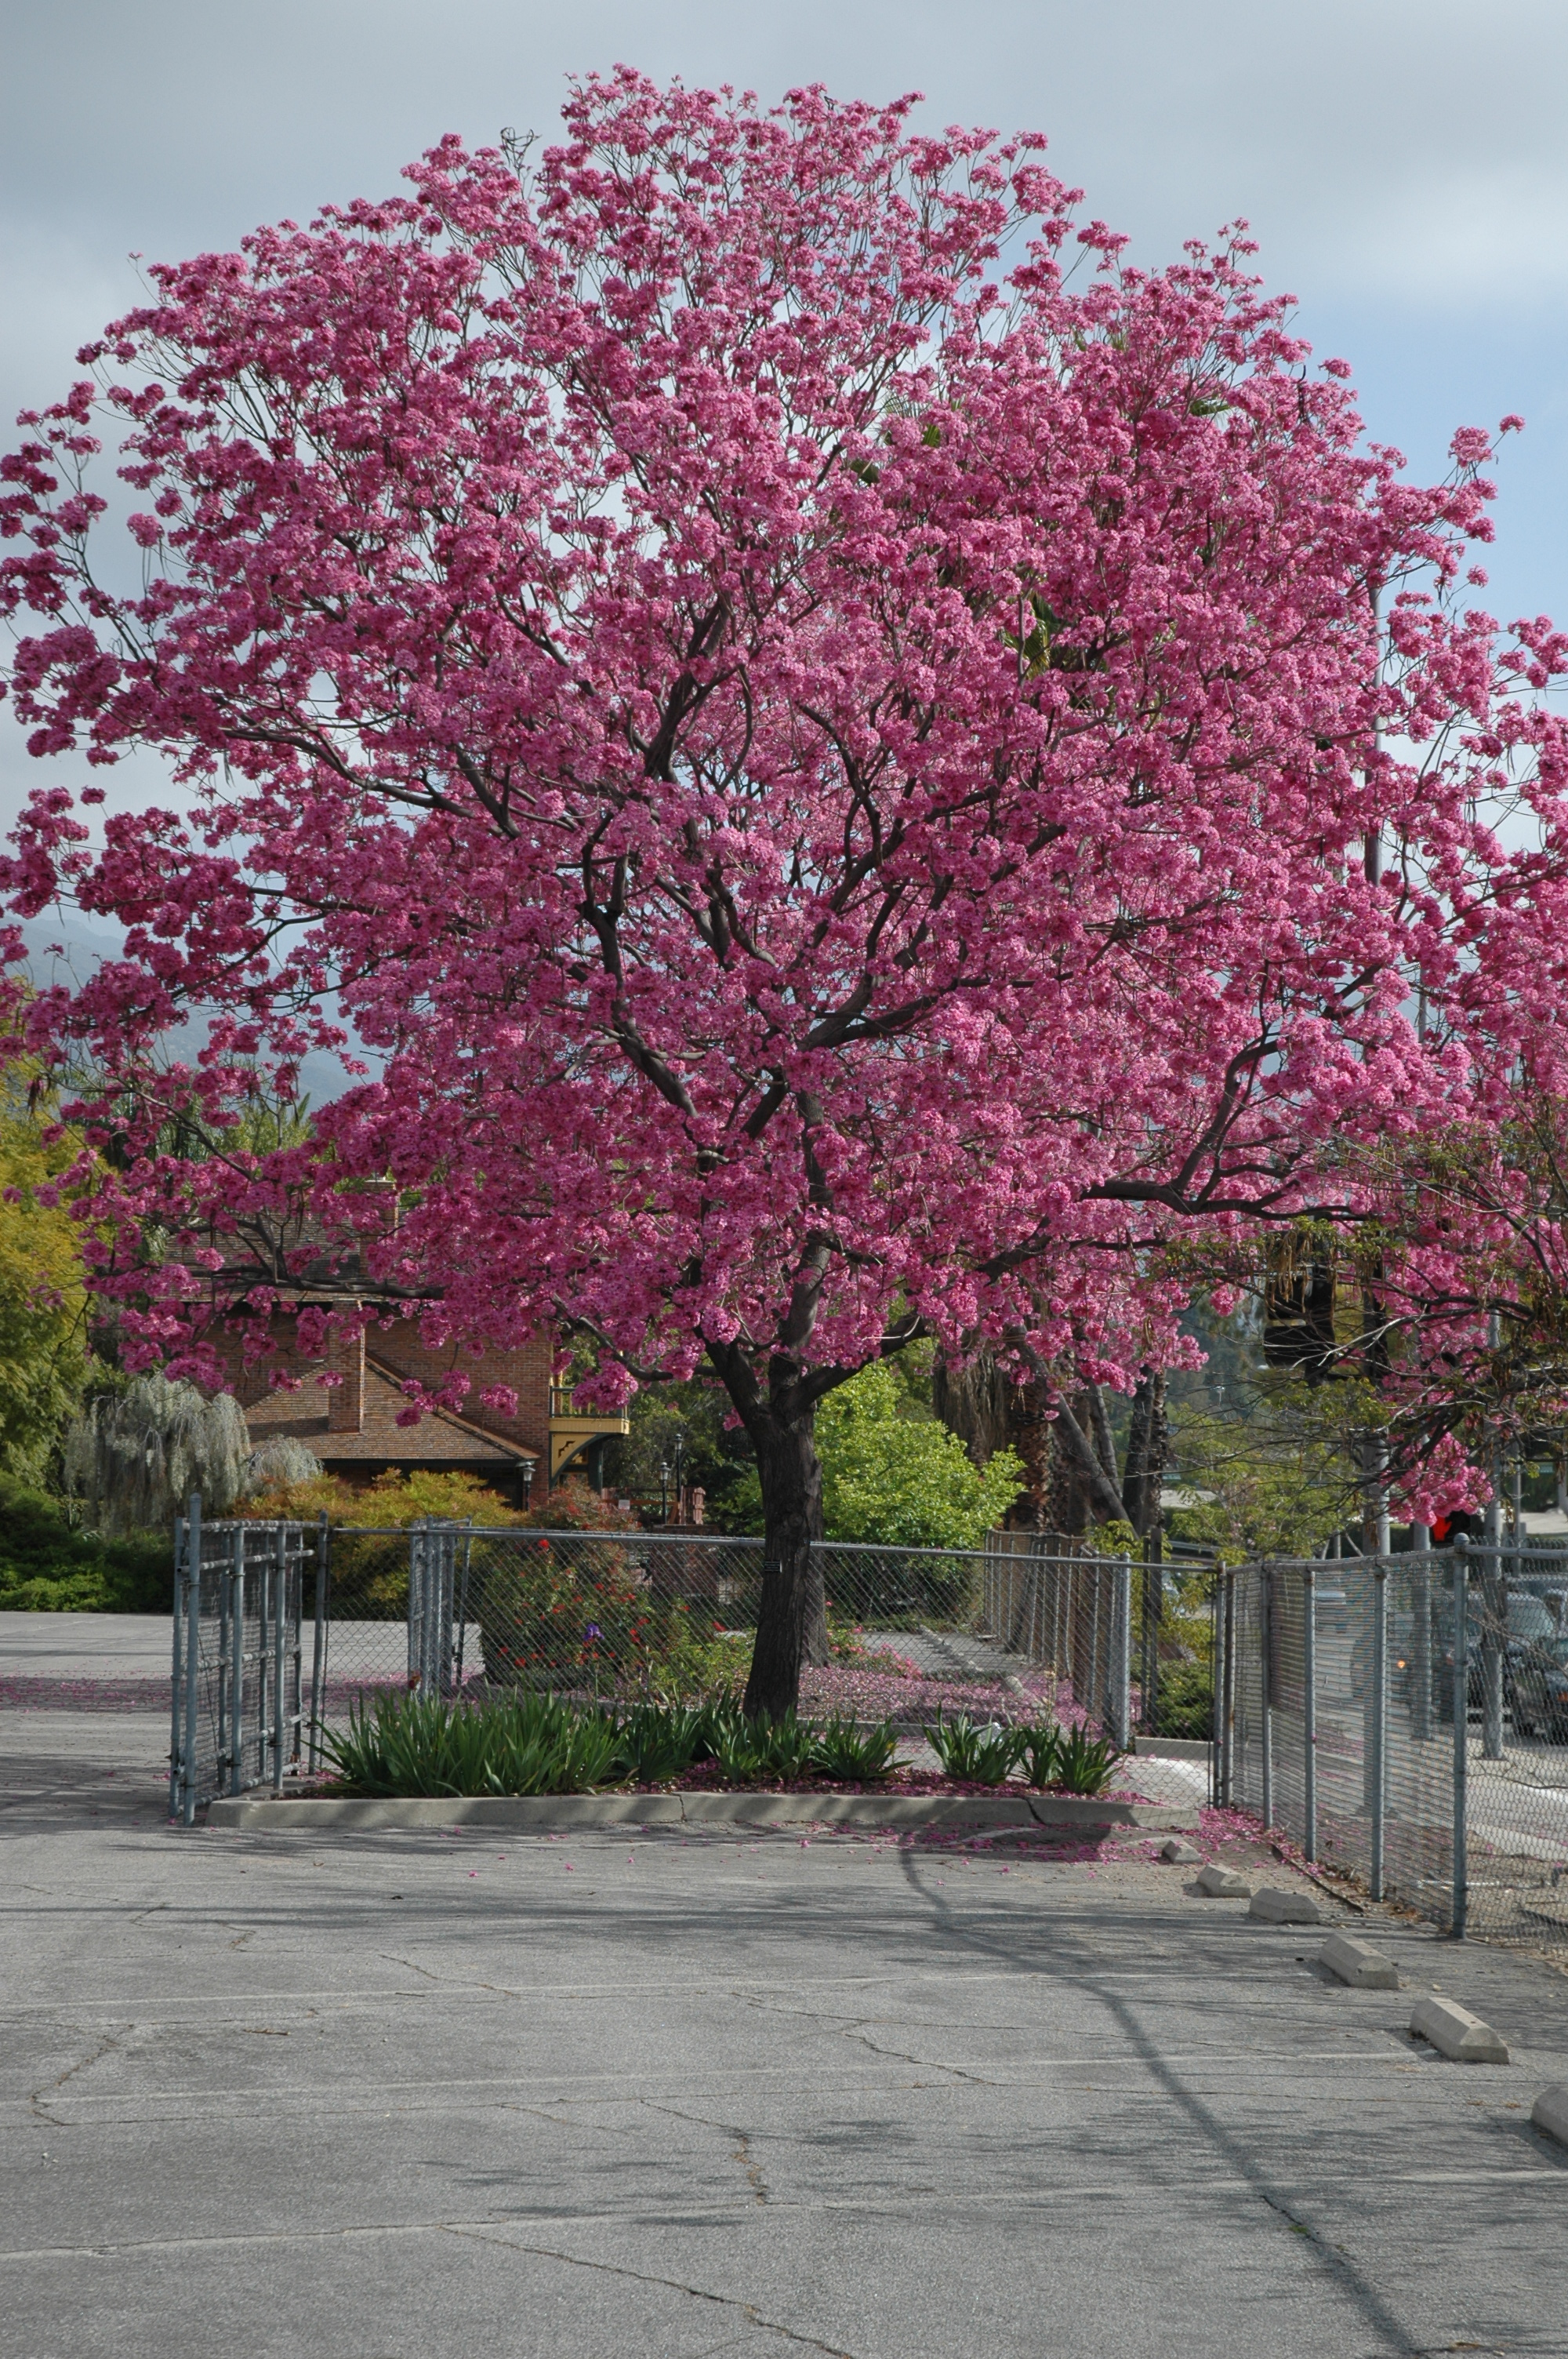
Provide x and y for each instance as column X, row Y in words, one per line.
column 135, row 1457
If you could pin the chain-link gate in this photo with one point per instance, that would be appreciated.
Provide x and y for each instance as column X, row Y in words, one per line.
column 237, row 1716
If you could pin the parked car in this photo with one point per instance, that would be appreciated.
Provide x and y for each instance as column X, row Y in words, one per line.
column 1533, row 1633
column 1531, row 1626
column 1540, row 1686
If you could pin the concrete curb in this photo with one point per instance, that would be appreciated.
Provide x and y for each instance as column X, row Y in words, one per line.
column 1456, row 2033
column 526, row 1812
column 1359, row 1964
column 1550, row 2112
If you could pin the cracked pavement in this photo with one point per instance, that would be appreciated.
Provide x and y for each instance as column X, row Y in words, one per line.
column 684, row 2094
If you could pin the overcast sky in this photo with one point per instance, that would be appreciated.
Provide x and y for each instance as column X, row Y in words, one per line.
column 1404, row 163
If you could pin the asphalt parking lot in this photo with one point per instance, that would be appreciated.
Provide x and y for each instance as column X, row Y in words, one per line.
column 615, row 2096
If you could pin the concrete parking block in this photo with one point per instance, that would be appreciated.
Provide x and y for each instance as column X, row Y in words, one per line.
column 1359, row 1964
column 1550, row 2112
column 1456, row 2033
column 1179, row 1853
column 1276, row 1907
column 1222, row 1882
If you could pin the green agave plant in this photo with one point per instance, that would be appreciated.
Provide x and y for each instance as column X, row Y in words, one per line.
column 844, row 1750
column 751, row 1752
column 984, row 1752
column 1040, row 1753
column 1085, row 1763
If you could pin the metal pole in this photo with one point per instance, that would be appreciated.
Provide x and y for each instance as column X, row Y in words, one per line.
column 1379, row 1718
column 1265, row 1638
column 237, row 1661
column 280, row 1611
column 193, row 1651
column 176, row 1668
column 415, row 1600
column 263, row 1666
column 435, row 1581
column 1421, row 1635
column 318, row 1653
column 225, row 1667
column 1493, row 1606
column 1122, row 1673
column 463, row 1604
column 1153, row 1616
column 1461, row 1870
column 1228, row 1687
column 1309, row 1712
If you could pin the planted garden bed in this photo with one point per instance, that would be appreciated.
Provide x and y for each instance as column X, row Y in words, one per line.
column 401, row 1745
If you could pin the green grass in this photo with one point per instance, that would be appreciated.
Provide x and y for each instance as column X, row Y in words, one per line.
column 47, row 1567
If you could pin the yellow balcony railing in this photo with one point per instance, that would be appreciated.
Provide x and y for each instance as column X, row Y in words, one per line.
column 572, row 1429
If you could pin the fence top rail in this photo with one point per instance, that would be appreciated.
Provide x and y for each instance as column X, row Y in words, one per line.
column 655, row 1539
column 1407, row 1560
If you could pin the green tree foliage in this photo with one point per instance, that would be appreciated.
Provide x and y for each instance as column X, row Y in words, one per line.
column 43, row 1360
column 892, row 1474
column 1278, row 1482
column 47, row 1568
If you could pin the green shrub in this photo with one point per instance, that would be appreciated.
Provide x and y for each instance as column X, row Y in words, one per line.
column 527, row 1744
column 1040, row 1753
column 984, row 1753
column 47, row 1567
column 1085, row 1763
column 1184, row 1700
column 654, row 1742
column 544, row 1617
column 845, row 1751
column 763, row 1751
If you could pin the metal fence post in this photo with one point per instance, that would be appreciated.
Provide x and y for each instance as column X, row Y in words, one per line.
column 192, row 1652
column 1227, row 1686
column 237, row 1665
column 263, row 1662
column 1421, row 1636
column 318, row 1653
column 177, row 1668
column 1379, row 1727
column 415, row 1603
column 1459, row 1913
column 1266, row 1726
column 280, row 1615
column 1153, row 1615
column 1118, row 1696
column 1309, row 1712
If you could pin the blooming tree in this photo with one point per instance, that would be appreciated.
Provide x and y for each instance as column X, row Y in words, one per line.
column 831, row 764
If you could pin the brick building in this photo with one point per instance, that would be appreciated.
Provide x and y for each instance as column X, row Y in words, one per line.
column 352, row 1427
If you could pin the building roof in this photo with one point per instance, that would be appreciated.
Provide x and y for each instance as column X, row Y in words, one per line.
column 440, row 1439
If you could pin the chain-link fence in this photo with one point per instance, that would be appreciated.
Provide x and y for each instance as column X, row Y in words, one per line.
column 1072, row 1614
column 1405, row 1718
column 281, row 1628
column 450, row 1608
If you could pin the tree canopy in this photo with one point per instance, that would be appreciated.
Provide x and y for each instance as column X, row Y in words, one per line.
column 841, row 768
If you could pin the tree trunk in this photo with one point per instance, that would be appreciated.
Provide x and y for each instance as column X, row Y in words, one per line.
column 1146, row 1441
column 792, row 1620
